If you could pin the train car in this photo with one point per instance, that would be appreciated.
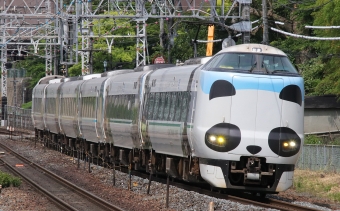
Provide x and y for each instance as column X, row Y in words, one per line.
column 234, row 120
column 51, row 106
column 38, row 102
column 254, row 140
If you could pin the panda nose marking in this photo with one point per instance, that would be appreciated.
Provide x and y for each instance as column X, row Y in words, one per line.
column 253, row 149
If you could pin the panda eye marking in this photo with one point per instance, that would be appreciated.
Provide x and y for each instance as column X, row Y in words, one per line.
column 221, row 88
column 284, row 141
column 223, row 137
column 291, row 93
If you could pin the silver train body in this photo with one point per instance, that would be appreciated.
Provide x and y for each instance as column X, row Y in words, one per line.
column 235, row 122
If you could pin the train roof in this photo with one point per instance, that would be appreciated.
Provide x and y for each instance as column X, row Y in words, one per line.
column 55, row 81
column 116, row 72
column 75, row 78
column 253, row 47
column 47, row 79
column 198, row 60
column 91, row 76
column 153, row 67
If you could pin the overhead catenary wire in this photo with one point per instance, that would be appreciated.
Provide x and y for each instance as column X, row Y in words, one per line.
column 322, row 27
column 304, row 36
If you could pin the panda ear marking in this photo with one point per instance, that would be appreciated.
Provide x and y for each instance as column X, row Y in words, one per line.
column 291, row 93
column 221, row 88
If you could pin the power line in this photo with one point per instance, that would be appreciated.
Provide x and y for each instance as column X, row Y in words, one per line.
column 304, row 36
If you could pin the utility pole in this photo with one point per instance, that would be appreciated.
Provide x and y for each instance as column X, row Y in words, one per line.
column 265, row 22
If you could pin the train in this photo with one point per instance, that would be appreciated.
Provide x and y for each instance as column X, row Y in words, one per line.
column 233, row 121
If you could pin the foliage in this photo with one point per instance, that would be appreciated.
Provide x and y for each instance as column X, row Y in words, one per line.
column 312, row 139
column 35, row 68
column 7, row 180
column 312, row 72
column 75, row 70
column 27, row 105
column 322, row 140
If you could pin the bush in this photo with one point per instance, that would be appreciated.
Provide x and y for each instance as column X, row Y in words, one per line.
column 27, row 105
column 7, row 180
column 312, row 139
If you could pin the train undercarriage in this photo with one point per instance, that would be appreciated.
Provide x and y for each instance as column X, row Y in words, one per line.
column 107, row 155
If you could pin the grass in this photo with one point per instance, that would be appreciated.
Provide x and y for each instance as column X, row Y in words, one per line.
column 331, row 139
column 320, row 184
column 7, row 180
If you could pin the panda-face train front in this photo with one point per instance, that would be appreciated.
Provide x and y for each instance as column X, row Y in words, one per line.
column 249, row 122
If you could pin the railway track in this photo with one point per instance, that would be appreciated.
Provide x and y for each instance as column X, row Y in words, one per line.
column 63, row 193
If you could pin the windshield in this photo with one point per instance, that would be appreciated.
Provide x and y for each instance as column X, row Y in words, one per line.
column 250, row 62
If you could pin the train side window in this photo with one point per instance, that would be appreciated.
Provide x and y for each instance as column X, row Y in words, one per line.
column 156, row 106
column 185, row 104
column 125, row 107
column 167, row 103
column 87, row 107
column 107, row 107
column 151, row 105
column 93, row 107
column 161, row 106
column 65, row 106
column 178, row 107
column 173, row 96
column 84, row 106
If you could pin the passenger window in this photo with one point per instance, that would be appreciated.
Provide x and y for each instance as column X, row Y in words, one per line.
column 185, row 104
column 173, row 96
column 151, row 104
column 157, row 102
column 178, row 107
column 161, row 106
column 167, row 105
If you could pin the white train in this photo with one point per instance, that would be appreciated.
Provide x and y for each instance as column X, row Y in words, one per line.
column 235, row 122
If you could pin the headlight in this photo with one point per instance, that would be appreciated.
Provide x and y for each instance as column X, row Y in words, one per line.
column 217, row 140
column 289, row 145
column 223, row 137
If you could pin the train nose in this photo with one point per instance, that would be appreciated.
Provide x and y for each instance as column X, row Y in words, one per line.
column 253, row 149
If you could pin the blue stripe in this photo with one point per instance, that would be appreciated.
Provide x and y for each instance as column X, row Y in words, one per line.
column 248, row 81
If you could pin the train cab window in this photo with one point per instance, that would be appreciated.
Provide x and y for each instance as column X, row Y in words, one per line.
column 167, row 103
column 277, row 64
column 213, row 63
